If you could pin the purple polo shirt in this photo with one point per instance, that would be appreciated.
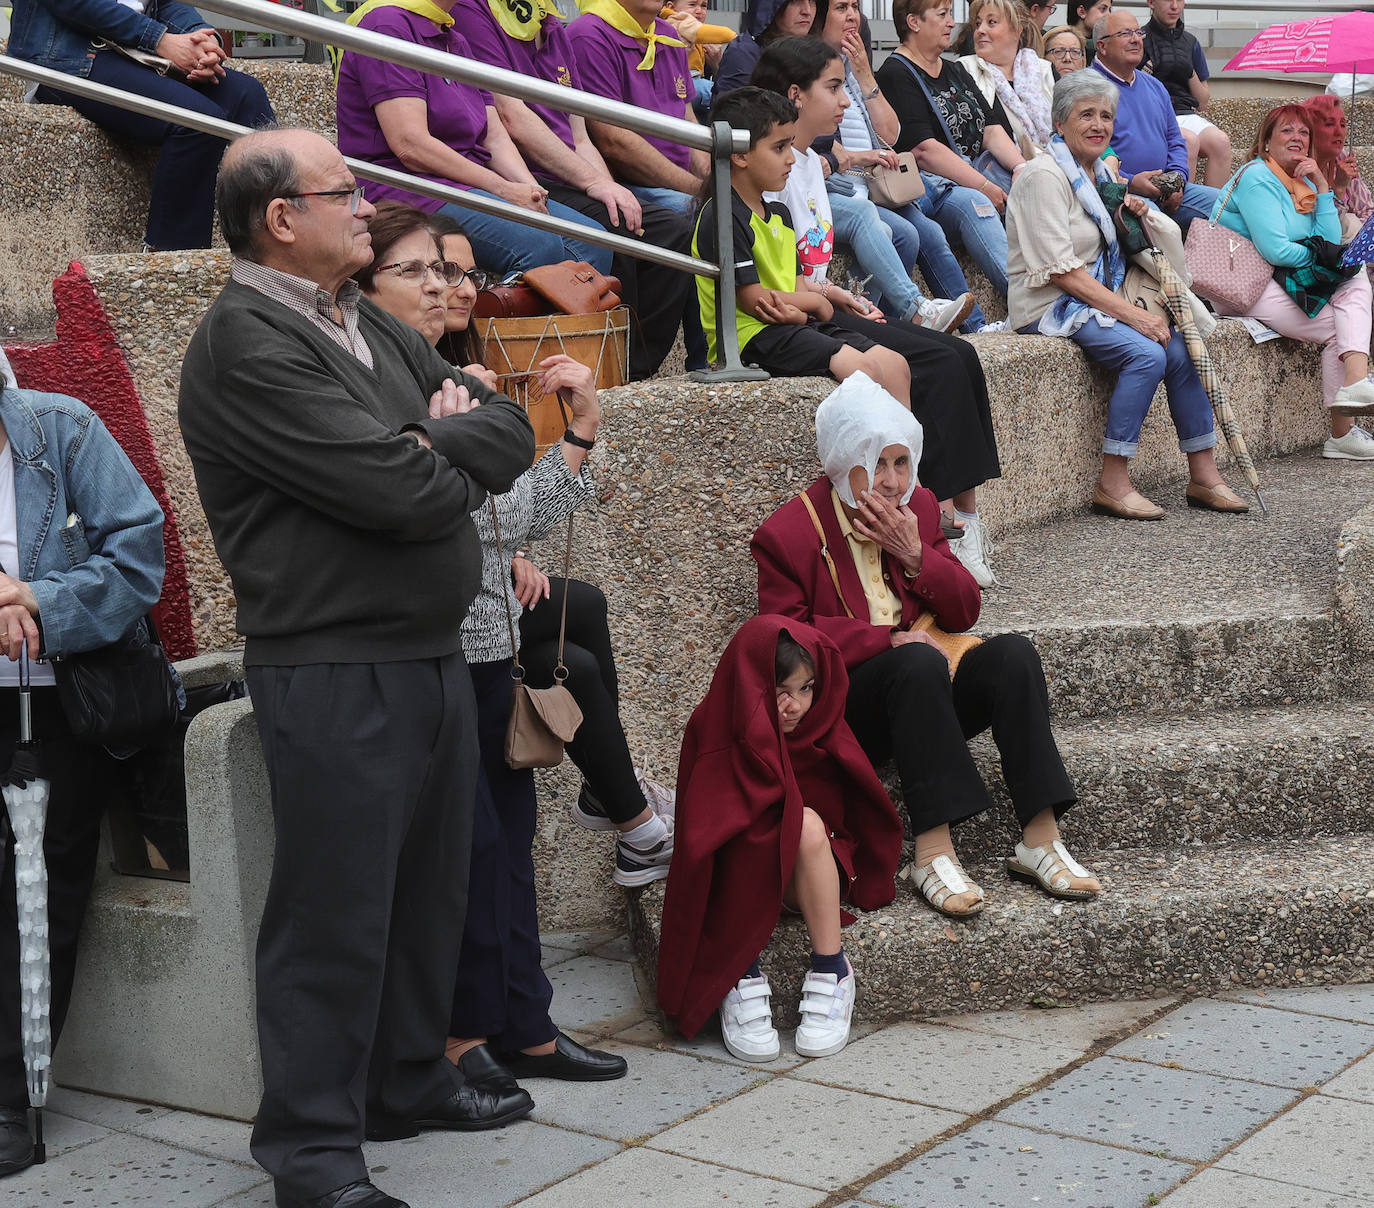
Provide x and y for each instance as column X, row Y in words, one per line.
column 552, row 60
column 608, row 62
column 457, row 113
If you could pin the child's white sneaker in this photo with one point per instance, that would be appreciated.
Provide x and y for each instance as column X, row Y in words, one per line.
column 827, row 1006
column 746, row 1021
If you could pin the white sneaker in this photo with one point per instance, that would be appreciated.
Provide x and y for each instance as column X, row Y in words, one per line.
column 974, row 549
column 945, row 314
column 1355, row 445
column 1357, row 399
column 992, row 328
column 746, row 1021
column 827, row 1007
column 661, row 799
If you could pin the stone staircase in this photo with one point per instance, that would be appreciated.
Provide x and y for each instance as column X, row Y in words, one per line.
column 1211, row 701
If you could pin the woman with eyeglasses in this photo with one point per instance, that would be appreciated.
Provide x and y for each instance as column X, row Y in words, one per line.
column 1066, row 50
column 424, row 275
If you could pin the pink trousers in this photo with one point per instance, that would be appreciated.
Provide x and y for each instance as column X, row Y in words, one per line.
column 1342, row 325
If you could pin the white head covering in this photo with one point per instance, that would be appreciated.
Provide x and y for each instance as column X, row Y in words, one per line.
column 855, row 424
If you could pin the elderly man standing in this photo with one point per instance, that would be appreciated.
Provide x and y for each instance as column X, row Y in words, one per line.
column 338, row 461
column 625, row 53
column 530, row 39
column 1147, row 135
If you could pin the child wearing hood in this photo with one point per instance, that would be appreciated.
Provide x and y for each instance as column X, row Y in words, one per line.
column 777, row 807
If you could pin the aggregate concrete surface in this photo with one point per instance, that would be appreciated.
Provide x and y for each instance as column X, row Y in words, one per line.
column 1263, row 1099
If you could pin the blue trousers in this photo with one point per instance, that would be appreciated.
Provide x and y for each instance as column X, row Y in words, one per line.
column 503, row 246
column 183, row 206
column 966, row 215
column 884, row 253
column 1141, row 365
column 937, row 263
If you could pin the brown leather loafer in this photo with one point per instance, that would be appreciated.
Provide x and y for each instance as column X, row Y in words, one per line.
column 1133, row 507
column 1219, row 498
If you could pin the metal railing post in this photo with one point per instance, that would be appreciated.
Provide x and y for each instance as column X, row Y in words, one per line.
column 727, row 331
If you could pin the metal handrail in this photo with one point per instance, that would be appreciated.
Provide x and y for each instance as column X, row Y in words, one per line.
column 721, row 141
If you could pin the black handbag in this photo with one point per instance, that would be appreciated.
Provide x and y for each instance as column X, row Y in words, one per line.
column 123, row 695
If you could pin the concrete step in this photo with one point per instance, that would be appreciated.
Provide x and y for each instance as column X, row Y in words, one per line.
column 1276, row 913
column 1196, row 611
column 1193, row 779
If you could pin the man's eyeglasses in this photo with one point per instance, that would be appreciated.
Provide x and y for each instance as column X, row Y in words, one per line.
column 354, row 195
column 1065, row 52
column 1134, row 35
column 447, row 271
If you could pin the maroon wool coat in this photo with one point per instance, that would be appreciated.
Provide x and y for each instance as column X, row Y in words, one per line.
column 795, row 582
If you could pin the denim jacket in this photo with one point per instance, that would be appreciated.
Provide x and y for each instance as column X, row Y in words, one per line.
column 61, row 33
column 96, row 578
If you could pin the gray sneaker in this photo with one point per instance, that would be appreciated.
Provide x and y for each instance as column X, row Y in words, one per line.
column 1355, row 445
column 945, row 314
column 635, row 866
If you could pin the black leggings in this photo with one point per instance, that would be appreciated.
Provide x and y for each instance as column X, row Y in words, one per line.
column 599, row 750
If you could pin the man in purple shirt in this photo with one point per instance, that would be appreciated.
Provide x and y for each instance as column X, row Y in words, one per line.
column 567, row 163
column 641, row 70
column 1146, row 135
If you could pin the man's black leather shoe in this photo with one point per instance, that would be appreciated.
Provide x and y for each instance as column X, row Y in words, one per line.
column 569, row 1061
column 16, row 1146
column 361, row 1194
column 481, row 1068
column 468, row 1109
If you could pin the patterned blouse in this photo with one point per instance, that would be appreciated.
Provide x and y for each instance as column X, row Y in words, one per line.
column 542, row 498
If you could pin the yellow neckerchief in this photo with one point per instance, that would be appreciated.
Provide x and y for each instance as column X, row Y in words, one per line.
column 421, row 8
column 621, row 21
column 522, row 28
column 1304, row 195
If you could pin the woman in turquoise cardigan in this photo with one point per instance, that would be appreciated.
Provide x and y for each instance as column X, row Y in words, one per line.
column 1282, row 203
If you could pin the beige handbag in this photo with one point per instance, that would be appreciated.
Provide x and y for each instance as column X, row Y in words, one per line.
column 893, row 188
column 542, row 720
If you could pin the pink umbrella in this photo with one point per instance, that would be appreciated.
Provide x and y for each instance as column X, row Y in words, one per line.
column 1341, row 43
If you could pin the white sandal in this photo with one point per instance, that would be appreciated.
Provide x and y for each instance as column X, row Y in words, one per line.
column 1052, row 868
column 941, row 880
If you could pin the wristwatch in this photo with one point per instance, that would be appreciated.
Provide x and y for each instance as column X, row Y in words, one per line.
column 573, row 439
column 868, row 96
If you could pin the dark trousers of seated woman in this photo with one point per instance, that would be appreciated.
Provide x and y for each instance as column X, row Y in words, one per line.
column 79, row 777
column 599, row 750
column 902, row 704
column 500, row 990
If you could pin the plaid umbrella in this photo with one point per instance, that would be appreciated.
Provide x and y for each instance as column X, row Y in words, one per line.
column 1134, row 239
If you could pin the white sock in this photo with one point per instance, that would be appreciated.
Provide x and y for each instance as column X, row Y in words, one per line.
column 965, row 516
column 646, row 834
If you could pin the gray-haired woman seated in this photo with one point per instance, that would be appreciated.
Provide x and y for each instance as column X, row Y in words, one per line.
column 1066, row 270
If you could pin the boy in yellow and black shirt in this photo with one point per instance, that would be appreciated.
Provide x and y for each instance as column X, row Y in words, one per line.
column 786, row 325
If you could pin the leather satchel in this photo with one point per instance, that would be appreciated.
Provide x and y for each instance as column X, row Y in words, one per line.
column 542, row 720
column 893, row 188
column 574, row 287
column 952, row 645
column 1226, row 267
column 123, row 695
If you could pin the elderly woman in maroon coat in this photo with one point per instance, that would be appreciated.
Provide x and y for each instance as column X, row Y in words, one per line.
column 860, row 556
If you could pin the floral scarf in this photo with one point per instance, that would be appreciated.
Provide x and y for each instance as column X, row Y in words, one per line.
column 1025, row 99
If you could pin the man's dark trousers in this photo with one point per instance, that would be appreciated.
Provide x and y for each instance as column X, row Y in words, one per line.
column 372, row 768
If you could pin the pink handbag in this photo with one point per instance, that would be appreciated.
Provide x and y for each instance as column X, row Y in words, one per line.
column 1226, row 267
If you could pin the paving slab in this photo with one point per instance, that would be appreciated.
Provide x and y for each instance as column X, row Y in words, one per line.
column 1356, row 1083
column 1175, row 1112
column 577, row 941
column 995, row 1165
column 651, row 1179
column 1321, row 1143
column 706, row 1043
column 476, row 1170
column 1079, row 1026
column 63, row 1135
column 551, row 955
column 819, row 1136
column 659, row 1090
column 592, row 994
column 617, row 949
column 209, row 1135
column 1339, row 1002
column 1242, row 1040
column 119, row 1114
column 122, row 1171
column 944, row 1067
column 1218, row 1188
